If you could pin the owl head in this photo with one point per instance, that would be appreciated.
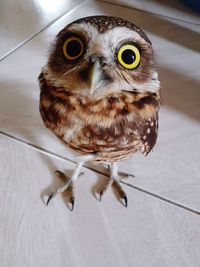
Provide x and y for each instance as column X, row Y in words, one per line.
column 102, row 54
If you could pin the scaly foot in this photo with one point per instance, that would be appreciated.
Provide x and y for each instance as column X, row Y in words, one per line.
column 113, row 180
column 68, row 185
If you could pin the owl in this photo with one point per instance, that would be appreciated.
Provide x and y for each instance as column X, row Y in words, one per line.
column 100, row 94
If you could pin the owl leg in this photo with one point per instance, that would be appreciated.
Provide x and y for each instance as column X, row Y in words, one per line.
column 123, row 175
column 114, row 181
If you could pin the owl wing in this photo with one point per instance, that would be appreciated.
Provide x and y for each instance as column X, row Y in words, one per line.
column 147, row 126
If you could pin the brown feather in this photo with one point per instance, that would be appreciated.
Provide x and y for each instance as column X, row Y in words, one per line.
column 116, row 126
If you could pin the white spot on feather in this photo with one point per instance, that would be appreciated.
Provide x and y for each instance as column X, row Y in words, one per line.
column 148, row 130
column 68, row 134
column 143, row 149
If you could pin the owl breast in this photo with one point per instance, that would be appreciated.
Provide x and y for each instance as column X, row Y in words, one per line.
column 115, row 126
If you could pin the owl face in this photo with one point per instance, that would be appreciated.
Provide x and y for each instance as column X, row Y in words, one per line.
column 100, row 55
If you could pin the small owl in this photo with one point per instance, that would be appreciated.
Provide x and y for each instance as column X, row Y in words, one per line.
column 100, row 94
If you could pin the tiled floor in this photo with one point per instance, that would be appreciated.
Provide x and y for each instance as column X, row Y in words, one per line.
column 22, row 20
column 161, row 226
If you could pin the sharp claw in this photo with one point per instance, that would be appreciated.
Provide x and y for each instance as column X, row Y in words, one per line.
column 72, row 203
column 100, row 195
column 49, row 199
column 125, row 201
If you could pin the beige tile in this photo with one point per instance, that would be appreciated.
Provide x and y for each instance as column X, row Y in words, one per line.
column 178, row 63
column 171, row 9
column 94, row 234
column 20, row 20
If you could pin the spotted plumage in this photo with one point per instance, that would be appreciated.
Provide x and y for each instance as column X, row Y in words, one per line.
column 100, row 92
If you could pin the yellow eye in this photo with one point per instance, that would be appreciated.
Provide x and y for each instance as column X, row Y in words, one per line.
column 73, row 48
column 129, row 56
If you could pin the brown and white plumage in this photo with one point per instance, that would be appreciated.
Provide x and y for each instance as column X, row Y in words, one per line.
column 94, row 103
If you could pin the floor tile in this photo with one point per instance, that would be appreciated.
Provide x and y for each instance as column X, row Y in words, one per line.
column 172, row 9
column 171, row 171
column 94, row 234
column 178, row 59
column 19, row 20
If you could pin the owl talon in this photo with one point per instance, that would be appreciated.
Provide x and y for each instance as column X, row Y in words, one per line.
column 72, row 200
column 100, row 195
column 50, row 198
column 125, row 201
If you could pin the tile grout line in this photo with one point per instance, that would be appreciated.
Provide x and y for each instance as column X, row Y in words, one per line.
column 51, row 154
column 162, row 198
column 45, row 151
column 147, row 12
column 35, row 147
column 40, row 31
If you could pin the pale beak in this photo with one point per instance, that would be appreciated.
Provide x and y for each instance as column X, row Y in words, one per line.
column 95, row 75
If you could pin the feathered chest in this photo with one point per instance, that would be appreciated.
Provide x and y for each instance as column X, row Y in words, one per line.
column 121, row 122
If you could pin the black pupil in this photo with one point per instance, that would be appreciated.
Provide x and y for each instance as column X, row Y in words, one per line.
column 128, row 56
column 74, row 48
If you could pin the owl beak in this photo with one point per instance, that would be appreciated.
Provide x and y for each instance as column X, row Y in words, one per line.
column 95, row 75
